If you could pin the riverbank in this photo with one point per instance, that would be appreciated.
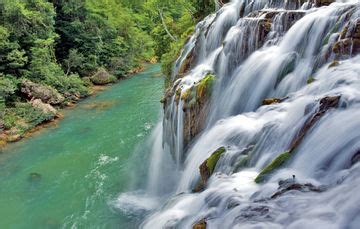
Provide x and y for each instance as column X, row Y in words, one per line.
column 69, row 175
column 49, row 114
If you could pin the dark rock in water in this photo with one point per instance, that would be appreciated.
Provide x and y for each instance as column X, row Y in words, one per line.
column 233, row 204
column 320, row 3
column 291, row 184
column 34, row 177
column 356, row 158
column 200, row 225
column 326, row 104
column 255, row 213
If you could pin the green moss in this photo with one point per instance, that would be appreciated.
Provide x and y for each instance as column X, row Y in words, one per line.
column 204, row 87
column 187, row 95
column 310, row 80
column 214, row 158
column 274, row 165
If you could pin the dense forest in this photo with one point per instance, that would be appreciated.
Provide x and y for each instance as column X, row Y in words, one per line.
column 52, row 52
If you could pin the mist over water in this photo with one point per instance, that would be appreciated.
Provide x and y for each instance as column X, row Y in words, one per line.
column 258, row 50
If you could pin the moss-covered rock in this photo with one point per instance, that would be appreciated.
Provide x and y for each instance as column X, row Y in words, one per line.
column 310, row 80
column 200, row 225
column 196, row 101
column 270, row 101
column 274, row 165
column 204, row 87
column 102, row 77
column 207, row 168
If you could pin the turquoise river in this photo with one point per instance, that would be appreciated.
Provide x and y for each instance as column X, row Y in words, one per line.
column 69, row 174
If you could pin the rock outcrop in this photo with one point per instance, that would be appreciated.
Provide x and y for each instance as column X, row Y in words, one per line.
column 45, row 93
column 325, row 104
column 320, row 3
column 44, row 107
column 102, row 77
column 291, row 185
column 348, row 43
column 196, row 101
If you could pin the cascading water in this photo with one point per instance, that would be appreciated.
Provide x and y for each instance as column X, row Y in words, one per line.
column 276, row 85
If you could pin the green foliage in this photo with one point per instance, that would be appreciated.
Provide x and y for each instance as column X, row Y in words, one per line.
column 8, row 86
column 31, row 115
column 59, row 42
column 274, row 165
column 9, row 121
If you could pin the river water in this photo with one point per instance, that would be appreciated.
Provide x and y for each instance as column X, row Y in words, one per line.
column 68, row 175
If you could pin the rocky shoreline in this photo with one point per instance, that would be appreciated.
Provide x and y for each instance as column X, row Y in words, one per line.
column 51, row 104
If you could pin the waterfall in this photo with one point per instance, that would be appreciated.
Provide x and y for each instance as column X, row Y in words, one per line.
column 276, row 85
